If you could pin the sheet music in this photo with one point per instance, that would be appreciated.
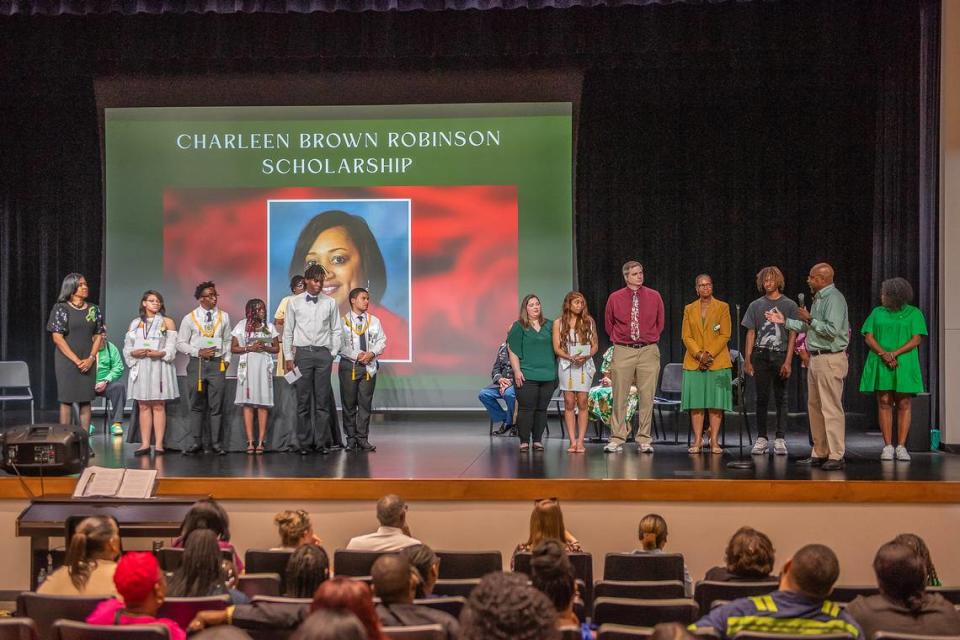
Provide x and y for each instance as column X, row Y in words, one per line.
column 137, row 483
column 98, row 481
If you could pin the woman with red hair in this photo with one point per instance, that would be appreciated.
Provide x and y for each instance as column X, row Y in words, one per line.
column 353, row 596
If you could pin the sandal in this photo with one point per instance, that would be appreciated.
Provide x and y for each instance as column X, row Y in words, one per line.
column 716, row 450
column 581, row 448
column 572, row 448
column 159, row 452
column 250, row 448
column 538, row 446
column 693, row 450
column 524, row 446
column 261, row 447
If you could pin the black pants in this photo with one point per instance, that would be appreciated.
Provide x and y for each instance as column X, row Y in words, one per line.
column 315, row 366
column 533, row 398
column 766, row 373
column 356, row 400
column 116, row 394
column 209, row 400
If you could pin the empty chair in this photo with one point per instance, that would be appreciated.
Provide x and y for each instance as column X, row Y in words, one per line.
column 15, row 374
column 259, row 584
column 648, row 589
column 72, row 630
column 461, row 588
column 17, row 629
column 170, row 558
column 458, row 565
column 448, row 604
column 709, row 591
column 582, row 564
column 752, row 635
column 847, row 593
column 421, row 632
column 952, row 594
column 643, row 566
column 268, row 561
column 183, row 610
column 44, row 610
column 890, row 635
column 644, row 613
column 623, row 632
column 355, row 563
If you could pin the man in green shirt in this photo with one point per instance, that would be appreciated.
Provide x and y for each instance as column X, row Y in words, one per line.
column 827, row 326
column 110, row 383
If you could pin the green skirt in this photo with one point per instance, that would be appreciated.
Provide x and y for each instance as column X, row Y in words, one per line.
column 906, row 378
column 707, row 390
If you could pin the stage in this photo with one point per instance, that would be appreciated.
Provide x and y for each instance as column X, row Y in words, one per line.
column 450, row 456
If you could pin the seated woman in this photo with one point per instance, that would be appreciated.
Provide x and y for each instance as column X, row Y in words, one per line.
column 295, row 529
column 902, row 606
column 90, row 563
column 600, row 397
column 546, row 523
column 916, row 543
column 307, row 568
column 653, row 538
column 427, row 566
column 207, row 513
column 552, row 573
column 201, row 573
column 330, row 625
column 749, row 557
column 141, row 586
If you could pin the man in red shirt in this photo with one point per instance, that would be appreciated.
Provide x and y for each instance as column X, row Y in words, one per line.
column 634, row 320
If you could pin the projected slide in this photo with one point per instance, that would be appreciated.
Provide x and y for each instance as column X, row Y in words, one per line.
column 448, row 214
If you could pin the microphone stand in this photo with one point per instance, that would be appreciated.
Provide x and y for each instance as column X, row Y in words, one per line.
column 740, row 462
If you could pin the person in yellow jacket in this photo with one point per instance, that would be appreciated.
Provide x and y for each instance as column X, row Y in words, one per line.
column 706, row 364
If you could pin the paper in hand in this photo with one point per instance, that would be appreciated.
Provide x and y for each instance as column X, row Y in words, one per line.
column 293, row 376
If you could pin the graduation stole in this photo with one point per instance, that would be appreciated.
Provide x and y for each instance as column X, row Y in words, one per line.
column 362, row 331
column 207, row 334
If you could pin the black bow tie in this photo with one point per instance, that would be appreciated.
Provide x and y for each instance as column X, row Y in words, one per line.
column 313, row 299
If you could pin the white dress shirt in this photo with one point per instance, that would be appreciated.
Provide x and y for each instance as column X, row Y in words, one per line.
column 190, row 340
column 376, row 338
column 384, row 539
column 314, row 324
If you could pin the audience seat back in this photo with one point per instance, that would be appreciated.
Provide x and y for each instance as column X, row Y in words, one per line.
column 268, row 561
column 623, row 632
column 18, row 629
column 644, row 613
column 259, row 584
column 170, row 558
column 952, row 594
column 848, row 593
column 455, row 587
column 643, row 566
column 650, row 589
column 570, row 633
column 73, row 630
column 582, row 565
column 448, row 604
column 708, row 591
column 354, row 564
column 459, row 565
column 183, row 610
column 44, row 609
column 751, row 635
column 419, row 632
column 893, row 635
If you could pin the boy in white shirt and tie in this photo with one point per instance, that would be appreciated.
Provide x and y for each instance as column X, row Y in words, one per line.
column 363, row 342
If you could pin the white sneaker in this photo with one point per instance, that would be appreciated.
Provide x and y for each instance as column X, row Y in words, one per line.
column 887, row 453
column 646, row 448
column 760, row 447
column 901, row 454
column 780, row 447
column 613, row 447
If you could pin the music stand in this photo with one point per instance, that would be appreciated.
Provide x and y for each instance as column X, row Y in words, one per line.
column 740, row 462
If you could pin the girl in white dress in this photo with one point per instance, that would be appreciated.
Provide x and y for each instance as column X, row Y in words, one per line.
column 149, row 349
column 575, row 343
column 256, row 341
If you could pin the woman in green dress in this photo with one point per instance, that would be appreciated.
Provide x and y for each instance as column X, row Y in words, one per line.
column 892, row 371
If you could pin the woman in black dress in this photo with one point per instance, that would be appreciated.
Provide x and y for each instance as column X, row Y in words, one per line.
column 76, row 327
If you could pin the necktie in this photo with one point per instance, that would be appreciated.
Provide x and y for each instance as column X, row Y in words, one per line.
column 209, row 316
column 363, row 336
column 313, row 299
column 635, row 318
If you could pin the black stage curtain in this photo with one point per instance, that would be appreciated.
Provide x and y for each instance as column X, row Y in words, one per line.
column 713, row 137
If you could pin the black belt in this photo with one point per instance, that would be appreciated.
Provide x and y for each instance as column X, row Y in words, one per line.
column 636, row 345
column 822, row 352
column 311, row 347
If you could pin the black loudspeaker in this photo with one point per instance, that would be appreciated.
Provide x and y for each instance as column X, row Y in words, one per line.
column 44, row 449
column 918, row 439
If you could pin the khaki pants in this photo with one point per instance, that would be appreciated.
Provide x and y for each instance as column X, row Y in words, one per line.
column 825, row 377
column 639, row 367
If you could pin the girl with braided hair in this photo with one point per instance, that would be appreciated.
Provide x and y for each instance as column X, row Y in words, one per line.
column 256, row 341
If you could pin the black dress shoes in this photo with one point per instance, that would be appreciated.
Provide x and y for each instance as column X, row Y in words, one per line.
column 366, row 446
column 833, row 465
column 504, row 429
column 142, row 452
column 303, row 452
column 189, row 451
column 351, row 446
column 811, row 461
column 323, row 451
column 218, row 450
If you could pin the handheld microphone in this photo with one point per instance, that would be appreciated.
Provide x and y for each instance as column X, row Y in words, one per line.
column 800, row 298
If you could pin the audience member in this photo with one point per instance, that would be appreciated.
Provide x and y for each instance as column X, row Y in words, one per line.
column 505, row 607
column 331, row 625
column 307, row 568
column 426, row 564
column 393, row 534
column 224, row 632
column 344, row 594
column 546, row 523
column 201, row 573
column 653, row 538
column 749, row 557
column 207, row 513
column 295, row 529
column 110, row 384
column 552, row 573
column 799, row 606
column 395, row 583
column 916, row 543
column 902, row 604
column 141, row 586
column 90, row 563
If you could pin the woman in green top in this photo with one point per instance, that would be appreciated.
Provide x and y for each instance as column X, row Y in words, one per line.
column 530, row 343
column 892, row 370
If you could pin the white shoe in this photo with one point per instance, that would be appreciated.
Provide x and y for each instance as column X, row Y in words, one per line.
column 613, row 447
column 901, row 454
column 646, row 448
column 760, row 447
column 780, row 447
column 887, row 453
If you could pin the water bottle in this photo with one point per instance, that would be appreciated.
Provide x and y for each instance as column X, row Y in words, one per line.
column 41, row 576
column 935, row 439
column 157, row 545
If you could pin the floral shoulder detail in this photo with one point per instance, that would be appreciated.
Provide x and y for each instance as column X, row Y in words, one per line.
column 59, row 321
column 95, row 316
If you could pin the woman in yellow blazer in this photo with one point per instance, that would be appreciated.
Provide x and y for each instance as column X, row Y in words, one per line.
column 706, row 364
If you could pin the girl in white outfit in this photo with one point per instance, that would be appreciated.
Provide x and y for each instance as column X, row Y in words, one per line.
column 256, row 341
